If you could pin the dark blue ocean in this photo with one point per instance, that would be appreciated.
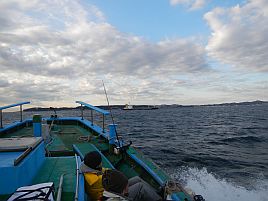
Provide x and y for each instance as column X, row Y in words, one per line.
column 220, row 152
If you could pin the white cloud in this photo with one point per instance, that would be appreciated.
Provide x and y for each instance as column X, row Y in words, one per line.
column 56, row 52
column 240, row 35
column 191, row 4
column 52, row 51
column 198, row 4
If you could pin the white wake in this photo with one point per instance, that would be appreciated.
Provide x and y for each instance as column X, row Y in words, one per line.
column 213, row 189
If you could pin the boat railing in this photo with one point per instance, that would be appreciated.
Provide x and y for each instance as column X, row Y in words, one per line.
column 10, row 106
column 93, row 108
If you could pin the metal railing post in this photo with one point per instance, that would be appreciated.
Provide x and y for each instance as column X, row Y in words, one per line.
column 103, row 112
column 10, row 106
column 20, row 113
column 82, row 114
column 1, row 116
column 103, row 123
column 91, row 117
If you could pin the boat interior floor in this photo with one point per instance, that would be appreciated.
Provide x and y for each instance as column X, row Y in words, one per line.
column 51, row 171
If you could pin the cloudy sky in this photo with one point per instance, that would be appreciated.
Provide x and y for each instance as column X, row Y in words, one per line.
column 53, row 52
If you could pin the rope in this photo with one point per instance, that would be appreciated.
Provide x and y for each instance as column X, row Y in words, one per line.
column 84, row 138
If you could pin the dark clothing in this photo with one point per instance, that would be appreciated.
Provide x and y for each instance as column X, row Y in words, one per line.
column 139, row 190
column 114, row 181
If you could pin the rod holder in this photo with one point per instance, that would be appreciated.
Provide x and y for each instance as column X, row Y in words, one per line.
column 37, row 126
column 112, row 133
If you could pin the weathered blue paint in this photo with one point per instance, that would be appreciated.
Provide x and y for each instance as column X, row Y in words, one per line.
column 112, row 133
column 93, row 108
column 12, row 177
column 14, row 105
column 7, row 158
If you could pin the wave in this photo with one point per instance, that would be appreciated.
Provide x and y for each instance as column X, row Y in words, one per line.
column 211, row 188
column 255, row 128
column 244, row 139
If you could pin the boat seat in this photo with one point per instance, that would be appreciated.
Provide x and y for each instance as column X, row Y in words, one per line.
column 83, row 148
column 18, row 144
column 21, row 159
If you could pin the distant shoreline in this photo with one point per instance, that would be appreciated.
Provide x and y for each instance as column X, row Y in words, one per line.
column 141, row 107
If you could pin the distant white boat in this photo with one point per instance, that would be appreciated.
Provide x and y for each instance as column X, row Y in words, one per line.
column 128, row 107
column 154, row 107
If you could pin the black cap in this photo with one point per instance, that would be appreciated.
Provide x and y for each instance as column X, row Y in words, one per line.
column 93, row 160
column 114, row 181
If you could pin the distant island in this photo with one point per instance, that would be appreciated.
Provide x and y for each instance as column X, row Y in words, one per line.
column 140, row 107
column 257, row 102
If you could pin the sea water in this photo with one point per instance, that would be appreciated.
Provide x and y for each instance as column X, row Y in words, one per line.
column 220, row 152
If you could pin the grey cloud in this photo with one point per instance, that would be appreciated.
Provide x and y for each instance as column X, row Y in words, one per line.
column 29, row 60
column 4, row 83
column 34, row 89
column 245, row 92
column 143, row 59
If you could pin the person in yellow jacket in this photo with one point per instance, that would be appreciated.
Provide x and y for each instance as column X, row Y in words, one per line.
column 93, row 171
column 114, row 181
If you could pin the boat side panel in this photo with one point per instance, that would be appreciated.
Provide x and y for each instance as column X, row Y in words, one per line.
column 13, row 177
column 15, row 126
column 7, row 158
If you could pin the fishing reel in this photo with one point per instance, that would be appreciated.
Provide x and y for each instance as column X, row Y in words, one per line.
column 172, row 186
column 55, row 116
column 198, row 198
column 122, row 148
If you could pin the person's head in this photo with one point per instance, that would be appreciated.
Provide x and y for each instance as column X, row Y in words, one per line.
column 115, row 181
column 93, row 160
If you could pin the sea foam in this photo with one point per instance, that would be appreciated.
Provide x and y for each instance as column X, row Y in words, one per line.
column 213, row 189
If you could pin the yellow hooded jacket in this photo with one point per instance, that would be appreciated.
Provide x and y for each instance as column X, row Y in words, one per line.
column 93, row 185
column 93, row 182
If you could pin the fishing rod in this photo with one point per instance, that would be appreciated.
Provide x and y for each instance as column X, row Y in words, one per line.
column 110, row 109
